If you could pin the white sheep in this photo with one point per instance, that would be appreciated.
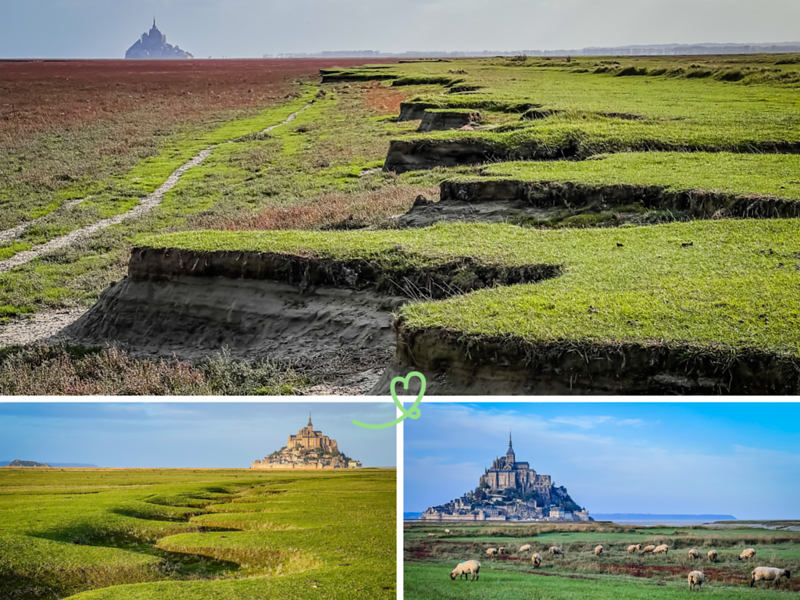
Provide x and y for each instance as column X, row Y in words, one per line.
column 501, row 550
column 634, row 548
column 712, row 555
column 697, row 578
column 648, row 549
column 470, row 567
column 431, row 535
column 598, row 550
column 536, row 560
column 694, row 554
column 555, row 550
column 447, row 531
column 748, row 554
column 662, row 549
column 525, row 548
column 491, row 552
column 768, row 574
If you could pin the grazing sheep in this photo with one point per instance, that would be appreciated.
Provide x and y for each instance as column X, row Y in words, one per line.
column 697, row 578
column 555, row 550
column 712, row 556
column 598, row 551
column 501, row 550
column 662, row 549
column 525, row 548
column 749, row 553
column 694, row 554
column 768, row 574
column 431, row 535
column 633, row 549
column 471, row 567
column 647, row 549
column 536, row 560
column 447, row 531
column 491, row 552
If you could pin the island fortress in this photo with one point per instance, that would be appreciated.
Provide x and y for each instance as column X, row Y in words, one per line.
column 309, row 449
column 510, row 491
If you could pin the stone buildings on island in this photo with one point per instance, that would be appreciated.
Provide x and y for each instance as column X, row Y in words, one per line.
column 308, row 449
column 153, row 45
column 510, row 491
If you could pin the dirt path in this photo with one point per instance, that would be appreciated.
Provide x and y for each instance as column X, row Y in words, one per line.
column 42, row 328
column 10, row 234
column 146, row 205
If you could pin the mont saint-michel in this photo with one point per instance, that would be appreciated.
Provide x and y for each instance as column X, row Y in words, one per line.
column 510, row 491
column 153, row 45
column 308, row 449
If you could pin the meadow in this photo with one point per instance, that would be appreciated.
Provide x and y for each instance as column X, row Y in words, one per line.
column 648, row 271
column 580, row 574
column 160, row 533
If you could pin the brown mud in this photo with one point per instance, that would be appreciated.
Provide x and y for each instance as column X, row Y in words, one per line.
column 458, row 364
column 192, row 304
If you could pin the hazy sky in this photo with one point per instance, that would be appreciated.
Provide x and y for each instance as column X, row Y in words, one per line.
column 186, row 435
column 251, row 28
column 737, row 459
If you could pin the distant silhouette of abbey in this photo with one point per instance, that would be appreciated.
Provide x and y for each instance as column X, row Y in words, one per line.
column 154, row 45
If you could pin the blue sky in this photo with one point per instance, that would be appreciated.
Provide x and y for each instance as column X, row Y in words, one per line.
column 185, row 434
column 679, row 458
column 251, row 28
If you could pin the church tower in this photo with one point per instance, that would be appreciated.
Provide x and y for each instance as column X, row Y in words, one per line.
column 510, row 457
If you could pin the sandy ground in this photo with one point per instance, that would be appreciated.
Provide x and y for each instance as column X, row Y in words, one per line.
column 42, row 328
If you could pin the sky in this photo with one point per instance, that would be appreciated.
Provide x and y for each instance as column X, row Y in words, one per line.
column 157, row 435
column 681, row 458
column 252, row 28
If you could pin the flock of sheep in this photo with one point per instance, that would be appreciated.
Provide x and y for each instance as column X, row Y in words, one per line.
column 695, row 578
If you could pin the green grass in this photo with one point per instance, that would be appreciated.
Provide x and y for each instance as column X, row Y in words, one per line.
column 433, row 581
column 741, row 174
column 581, row 574
column 145, row 533
column 728, row 290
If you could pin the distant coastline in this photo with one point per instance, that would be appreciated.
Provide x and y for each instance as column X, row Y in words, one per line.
column 644, row 519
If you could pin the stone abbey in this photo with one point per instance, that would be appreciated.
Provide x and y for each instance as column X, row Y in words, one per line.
column 308, row 449
column 153, row 45
column 510, row 491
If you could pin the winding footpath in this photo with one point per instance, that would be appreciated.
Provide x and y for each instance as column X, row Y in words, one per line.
column 45, row 325
column 146, row 205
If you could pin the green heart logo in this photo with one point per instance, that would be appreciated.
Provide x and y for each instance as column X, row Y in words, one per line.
column 414, row 412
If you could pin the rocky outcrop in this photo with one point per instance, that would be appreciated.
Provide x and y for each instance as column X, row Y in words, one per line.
column 153, row 45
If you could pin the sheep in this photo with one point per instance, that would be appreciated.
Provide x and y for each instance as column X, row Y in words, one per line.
column 748, row 554
column 431, row 535
column 536, row 560
column 712, row 555
column 491, row 552
column 598, row 551
column 647, row 549
column 694, row 554
column 555, row 550
column 525, row 548
column 447, row 531
column 634, row 548
column 697, row 578
column 470, row 567
column 662, row 549
column 768, row 574
column 501, row 550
